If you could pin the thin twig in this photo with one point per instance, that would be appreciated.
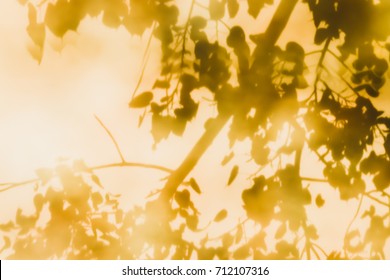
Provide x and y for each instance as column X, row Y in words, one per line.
column 320, row 248
column 112, row 138
column 18, row 184
column 377, row 200
column 145, row 60
column 317, row 180
column 320, row 66
column 353, row 219
column 98, row 167
column 315, row 252
column 185, row 32
column 133, row 164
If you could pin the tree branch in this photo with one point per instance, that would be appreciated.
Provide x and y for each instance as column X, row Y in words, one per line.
column 273, row 32
column 10, row 186
column 112, row 138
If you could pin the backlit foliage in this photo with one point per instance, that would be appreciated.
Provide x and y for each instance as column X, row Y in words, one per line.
column 260, row 86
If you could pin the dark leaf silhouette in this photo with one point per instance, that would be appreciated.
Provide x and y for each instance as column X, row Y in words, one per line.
column 194, row 185
column 142, row 100
column 233, row 174
column 227, row 159
column 220, row 216
column 233, row 7
column 319, row 201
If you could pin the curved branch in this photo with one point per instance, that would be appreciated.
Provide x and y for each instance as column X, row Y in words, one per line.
column 133, row 164
column 112, row 139
column 10, row 186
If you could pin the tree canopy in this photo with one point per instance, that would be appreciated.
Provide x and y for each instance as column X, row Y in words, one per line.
column 263, row 90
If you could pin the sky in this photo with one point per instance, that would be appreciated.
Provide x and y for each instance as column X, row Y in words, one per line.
column 48, row 111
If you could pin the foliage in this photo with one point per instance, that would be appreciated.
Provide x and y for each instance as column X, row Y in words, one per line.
column 262, row 88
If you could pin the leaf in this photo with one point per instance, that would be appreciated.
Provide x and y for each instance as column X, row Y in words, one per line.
column 96, row 180
column 194, row 185
column 198, row 22
column 37, row 33
column 217, row 9
column 233, row 174
column 183, row 198
column 254, row 7
column 321, row 35
column 311, row 232
column 142, row 100
column 39, row 200
column 371, row 91
column 36, row 52
column 161, row 84
column 233, row 7
column 97, row 199
column 7, row 227
column 320, row 201
column 192, row 222
column 63, row 16
column 227, row 158
column 220, row 216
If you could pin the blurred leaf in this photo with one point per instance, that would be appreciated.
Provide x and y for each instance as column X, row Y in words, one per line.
column 217, row 9
column 97, row 199
column 194, row 185
column 37, row 33
column 7, row 227
column 198, row 22
column 321, row 35
column 369, row 213
column 255, row 6
column 96, row 180
column 142, row 100
column 311, row 232
column 183, row 198
column 161, row 84
column 233, row 174
column 227, row 158
column 192, row 222
column 220, row 216
column 233, row 7
column 319, row 201
column 38, row 202
column 63, row 16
